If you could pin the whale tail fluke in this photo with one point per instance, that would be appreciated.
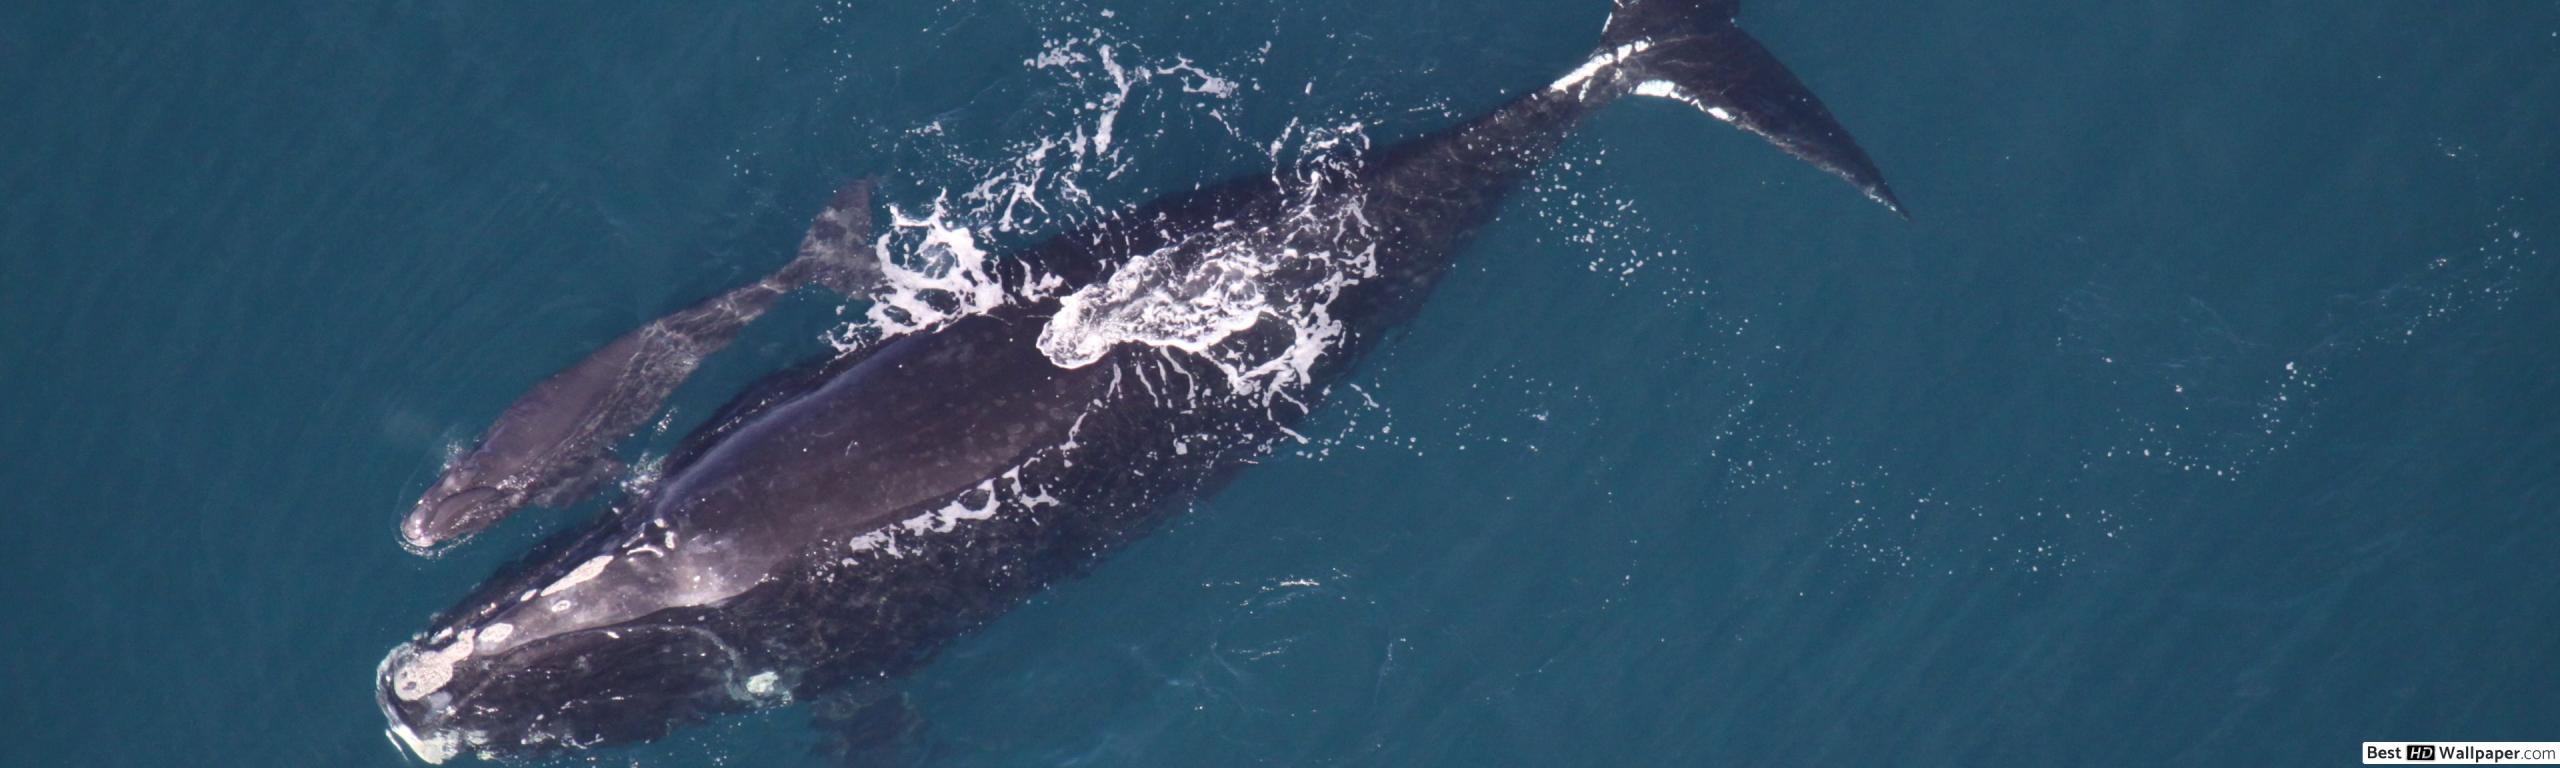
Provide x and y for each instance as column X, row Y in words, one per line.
column 836, row 252
column 1690, row 51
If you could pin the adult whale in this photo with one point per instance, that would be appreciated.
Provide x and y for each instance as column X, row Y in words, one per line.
column 838, row 523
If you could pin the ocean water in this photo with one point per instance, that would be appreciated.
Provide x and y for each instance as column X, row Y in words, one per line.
column 2204, row 412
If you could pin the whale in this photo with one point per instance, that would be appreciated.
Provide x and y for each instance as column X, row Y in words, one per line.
column 833, row 526
column 550, row 447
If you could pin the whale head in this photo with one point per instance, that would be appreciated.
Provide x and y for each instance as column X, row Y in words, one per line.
column 582, row 689
column 586, row 646
column 460, row 504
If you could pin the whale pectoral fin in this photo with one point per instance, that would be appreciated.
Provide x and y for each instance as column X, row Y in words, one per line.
column 869, row 727
column 837, row 252
column 1725, row 73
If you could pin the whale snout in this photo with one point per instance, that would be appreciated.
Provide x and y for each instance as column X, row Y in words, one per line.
column 446, row 514
column 581, row 689
column 412, row 688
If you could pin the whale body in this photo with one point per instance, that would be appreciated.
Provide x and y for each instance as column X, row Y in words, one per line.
column 548, row 448
column 833, row 526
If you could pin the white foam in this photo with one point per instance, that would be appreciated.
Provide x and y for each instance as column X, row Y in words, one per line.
column 432, row 750
column 1152, row 301
column 992, row 496
column 1209, row 84
column 1111, row 104
column 946, row 278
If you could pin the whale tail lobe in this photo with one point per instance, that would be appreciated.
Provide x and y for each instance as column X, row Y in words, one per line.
column 1691, row 51
column 836, row 252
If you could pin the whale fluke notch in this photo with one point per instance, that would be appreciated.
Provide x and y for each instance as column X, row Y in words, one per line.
column 1691, row 51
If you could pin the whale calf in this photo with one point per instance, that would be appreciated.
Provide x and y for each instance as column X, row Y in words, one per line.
column 833, row 527
column 549, row 447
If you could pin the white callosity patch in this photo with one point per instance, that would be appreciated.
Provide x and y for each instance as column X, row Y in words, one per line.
column 585, row 572
column 414, row 675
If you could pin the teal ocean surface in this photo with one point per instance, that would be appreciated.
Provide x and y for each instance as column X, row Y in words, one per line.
column 2206, row 411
